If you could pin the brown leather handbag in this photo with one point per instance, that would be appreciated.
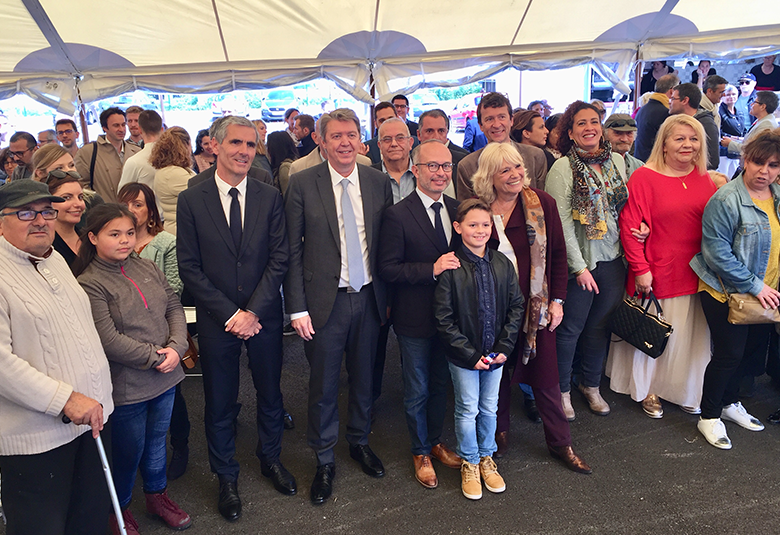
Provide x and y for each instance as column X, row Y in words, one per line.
column 746, row 309
column 190, row 358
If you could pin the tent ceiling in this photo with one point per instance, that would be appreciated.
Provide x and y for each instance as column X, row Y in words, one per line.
column 219, row 45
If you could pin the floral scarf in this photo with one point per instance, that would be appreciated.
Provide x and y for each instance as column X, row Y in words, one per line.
column 589, row 204
column 538, row 296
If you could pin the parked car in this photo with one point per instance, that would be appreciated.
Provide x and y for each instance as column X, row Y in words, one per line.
column 464, row 109
column 276, row 103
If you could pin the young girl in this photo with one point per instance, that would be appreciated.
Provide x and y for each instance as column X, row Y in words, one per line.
column 478, row 310
column 144, row 334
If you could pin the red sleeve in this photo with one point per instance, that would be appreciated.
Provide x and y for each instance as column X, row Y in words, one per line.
column 634, row 212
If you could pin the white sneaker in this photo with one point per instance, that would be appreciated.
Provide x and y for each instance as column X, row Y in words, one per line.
column 736, row 413
column 715, row 432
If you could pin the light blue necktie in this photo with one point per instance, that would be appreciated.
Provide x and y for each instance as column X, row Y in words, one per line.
column 354, row 253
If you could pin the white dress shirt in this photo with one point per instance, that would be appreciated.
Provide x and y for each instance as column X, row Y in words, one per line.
column 356, row 197
column 225, row 199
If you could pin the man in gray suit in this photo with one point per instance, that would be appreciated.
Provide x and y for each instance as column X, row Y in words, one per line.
column 332, row 291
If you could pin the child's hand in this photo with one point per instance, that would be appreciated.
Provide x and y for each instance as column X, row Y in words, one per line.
column 500, row 359
column 481, row 365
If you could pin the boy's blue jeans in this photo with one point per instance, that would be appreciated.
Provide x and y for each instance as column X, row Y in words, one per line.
column 476, row 403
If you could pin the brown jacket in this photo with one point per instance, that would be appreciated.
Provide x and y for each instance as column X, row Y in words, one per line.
column 108, row 166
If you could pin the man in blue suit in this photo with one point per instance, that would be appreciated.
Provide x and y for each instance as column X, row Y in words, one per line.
column 233, row 254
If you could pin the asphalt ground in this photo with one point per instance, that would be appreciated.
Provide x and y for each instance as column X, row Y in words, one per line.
column 649, row 476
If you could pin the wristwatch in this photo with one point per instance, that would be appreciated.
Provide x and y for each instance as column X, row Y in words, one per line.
column 559, row 301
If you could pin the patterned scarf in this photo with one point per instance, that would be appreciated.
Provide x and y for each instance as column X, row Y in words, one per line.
column 538, row 298
column 589, row 206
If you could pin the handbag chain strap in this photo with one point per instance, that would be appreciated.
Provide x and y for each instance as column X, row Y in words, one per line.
column 728, row 296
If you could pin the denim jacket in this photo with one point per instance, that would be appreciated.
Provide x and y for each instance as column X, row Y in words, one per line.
column 736, row 238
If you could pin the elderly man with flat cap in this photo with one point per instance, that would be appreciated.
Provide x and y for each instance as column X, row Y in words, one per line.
column 620, row 131
column 52, row 365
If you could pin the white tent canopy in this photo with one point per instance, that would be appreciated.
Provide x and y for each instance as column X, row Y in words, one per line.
column 63, row 51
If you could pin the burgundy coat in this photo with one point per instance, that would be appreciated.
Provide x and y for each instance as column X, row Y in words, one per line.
column 542, row 371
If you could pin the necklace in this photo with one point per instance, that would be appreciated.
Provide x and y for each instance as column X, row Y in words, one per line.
column 682, row 180
column 504, row 214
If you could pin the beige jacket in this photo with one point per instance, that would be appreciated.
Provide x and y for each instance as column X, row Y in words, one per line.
column 108, row 166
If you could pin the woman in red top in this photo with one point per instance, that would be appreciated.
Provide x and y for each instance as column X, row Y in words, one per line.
column 669, row 194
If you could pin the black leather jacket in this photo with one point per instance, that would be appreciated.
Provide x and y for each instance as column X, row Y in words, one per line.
column 455, row 309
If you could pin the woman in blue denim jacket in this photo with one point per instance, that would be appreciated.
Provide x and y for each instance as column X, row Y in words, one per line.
column 740, row 247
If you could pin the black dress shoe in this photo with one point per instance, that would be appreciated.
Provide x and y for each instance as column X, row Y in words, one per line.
column 283, row 480
column 178, row 464
column 229, row 502
column 322, row 486
column 774, row 418
column 289, row 423
column 368, row 460
column 530, row 409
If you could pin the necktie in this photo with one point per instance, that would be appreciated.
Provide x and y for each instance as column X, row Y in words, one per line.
column 354, row 253
column 438, row 226
column 235, row 218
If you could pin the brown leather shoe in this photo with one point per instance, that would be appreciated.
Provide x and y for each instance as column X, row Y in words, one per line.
column 424, row 472
column 446, row 456
column 572, row 461
column 502, row 444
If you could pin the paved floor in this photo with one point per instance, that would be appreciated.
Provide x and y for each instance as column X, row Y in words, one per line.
column 650, row 476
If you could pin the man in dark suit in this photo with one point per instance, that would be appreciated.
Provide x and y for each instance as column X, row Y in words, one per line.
column 652, row 115
column 401, row 104
column 332, row 291
column 494, row 114
column 416, row 246
column 233, row 253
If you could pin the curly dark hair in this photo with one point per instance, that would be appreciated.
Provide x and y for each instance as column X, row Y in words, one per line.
column 172, row 148
column 198, row 139
column 567, row 121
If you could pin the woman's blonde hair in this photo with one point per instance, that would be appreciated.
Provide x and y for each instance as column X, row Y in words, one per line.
column 657, row 157
column 260, row 148
column 490, row 162
column 44, row 157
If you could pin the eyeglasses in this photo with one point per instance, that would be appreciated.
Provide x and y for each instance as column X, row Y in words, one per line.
column 18, row 153
column 400, row 106
column 745, row 82
column 621, row 124
column 60, row 174
column 400, row 138
column 63, row 132
column 433, row 166
column 30, row 215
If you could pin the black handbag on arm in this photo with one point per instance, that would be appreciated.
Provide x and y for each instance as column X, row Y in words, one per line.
column 633, row 322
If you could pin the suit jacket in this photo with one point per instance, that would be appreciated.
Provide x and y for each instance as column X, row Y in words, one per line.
column 407, row 251
column 221, row 278
column 412, row 127
column 315, row 250
column 649, row 119
column 256, row 173
column 307, row 145
column 456, row 148
column 533, row 157
column 313, row 158
column 449, row 190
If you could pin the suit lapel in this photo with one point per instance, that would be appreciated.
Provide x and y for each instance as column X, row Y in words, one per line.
column 251, row 211
column 420, row 215
column 366, row 193
column 328, row 199
column 214, row 208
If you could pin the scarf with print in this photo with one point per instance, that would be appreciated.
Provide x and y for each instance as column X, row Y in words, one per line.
column 538, row 297
column 593, row 197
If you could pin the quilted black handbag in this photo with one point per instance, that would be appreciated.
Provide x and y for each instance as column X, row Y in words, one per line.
column 647, row 332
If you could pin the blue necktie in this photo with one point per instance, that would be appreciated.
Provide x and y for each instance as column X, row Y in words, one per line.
column 235, row 218
column 354, row 252
column 438, row 226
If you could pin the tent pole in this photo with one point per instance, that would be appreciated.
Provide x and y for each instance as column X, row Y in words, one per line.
column 637, row 79
column 82, row 115
column 372, row 92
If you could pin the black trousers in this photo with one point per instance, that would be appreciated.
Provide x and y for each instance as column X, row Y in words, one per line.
column 180, row 422
column 353, row 327
column 59, row 491
column 734, row 348
column 220, row 361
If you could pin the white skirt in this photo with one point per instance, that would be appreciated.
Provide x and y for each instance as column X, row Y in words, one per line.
column 677, row 375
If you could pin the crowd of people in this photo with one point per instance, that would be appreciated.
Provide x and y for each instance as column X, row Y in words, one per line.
column 496, row 265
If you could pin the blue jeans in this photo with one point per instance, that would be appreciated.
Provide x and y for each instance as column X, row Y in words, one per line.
column 138, row 433
column 425, row 374
column 476, row 403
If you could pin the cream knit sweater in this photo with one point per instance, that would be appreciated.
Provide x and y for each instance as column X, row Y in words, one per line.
column 48, row 348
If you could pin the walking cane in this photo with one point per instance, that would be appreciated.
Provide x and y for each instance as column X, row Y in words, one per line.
column 120, row 520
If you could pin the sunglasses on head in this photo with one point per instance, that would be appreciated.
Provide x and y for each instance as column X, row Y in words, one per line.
column 621, row 124
column 59, row 173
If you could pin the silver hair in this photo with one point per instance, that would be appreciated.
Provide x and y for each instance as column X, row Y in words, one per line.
column 392, row 121
column 219, row 128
